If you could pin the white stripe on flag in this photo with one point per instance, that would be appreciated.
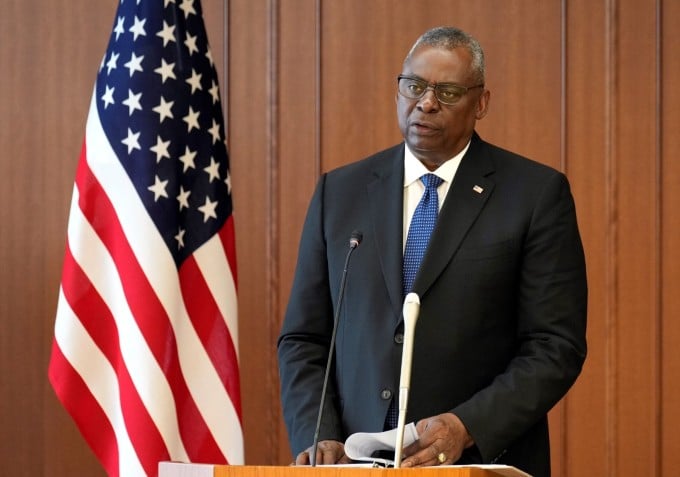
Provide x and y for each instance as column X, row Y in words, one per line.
column 100, row 378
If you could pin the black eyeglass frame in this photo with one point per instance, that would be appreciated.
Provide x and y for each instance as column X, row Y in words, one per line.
column 436, row 88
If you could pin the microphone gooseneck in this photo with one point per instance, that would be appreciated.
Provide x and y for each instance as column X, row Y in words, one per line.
column 354, row 241
column 411, row 311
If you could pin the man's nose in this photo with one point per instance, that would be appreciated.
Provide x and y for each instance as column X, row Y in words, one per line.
column 428, row 101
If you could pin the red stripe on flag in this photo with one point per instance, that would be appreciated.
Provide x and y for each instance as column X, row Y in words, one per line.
column 211, row 328
column 76, row 397
column 96, row 317
column 149, row 314
column 228, row 238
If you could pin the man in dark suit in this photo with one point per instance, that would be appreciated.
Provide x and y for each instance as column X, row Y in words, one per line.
column 502, row 285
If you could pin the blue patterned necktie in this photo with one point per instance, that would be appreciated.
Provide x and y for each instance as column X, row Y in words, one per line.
column 420, row 230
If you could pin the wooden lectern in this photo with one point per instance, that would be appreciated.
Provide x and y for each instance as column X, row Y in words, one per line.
column 174, row 469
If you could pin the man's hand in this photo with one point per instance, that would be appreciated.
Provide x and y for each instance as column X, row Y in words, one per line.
column 441, row 441
column 328, row 452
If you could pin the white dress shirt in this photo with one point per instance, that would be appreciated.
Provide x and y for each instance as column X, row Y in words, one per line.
column 414, row 188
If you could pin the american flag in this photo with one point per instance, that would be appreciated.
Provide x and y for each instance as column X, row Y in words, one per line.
column 145, row 354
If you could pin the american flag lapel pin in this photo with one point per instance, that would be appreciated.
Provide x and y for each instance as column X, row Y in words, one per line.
column 478, row 189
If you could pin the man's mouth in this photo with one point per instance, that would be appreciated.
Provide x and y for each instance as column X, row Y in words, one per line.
column 423, row 127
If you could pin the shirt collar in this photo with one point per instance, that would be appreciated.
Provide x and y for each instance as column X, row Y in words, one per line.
column 414, row 169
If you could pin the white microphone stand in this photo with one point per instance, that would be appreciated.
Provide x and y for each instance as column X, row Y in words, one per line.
column 410, row 311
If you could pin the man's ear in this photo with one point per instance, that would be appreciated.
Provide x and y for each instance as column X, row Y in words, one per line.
column 483, row 104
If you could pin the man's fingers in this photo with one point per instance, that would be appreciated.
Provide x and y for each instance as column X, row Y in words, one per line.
column 328, row 452
column 424, row 457
column 302, row 458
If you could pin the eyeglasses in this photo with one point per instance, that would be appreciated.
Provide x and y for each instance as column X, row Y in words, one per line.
column 446, row 93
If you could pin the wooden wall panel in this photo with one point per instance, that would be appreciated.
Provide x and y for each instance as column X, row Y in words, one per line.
column 48, row 63
column 523, row 46
column 586, row 424
column 216, row 15
column 360, row 60
column 635, row 169
column 308, row 85
column 669, row 104
column 297, row 146
column 250, row 137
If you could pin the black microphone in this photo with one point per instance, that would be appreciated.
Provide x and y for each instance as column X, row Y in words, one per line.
column 354, row 241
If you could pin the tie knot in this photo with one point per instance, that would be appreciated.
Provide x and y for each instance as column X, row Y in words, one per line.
column 431, row 181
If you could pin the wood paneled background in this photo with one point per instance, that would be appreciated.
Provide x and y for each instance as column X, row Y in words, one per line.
column 591, row 87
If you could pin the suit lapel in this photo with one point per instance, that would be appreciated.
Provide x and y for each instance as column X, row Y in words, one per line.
column 470, row 190
column 386, row 195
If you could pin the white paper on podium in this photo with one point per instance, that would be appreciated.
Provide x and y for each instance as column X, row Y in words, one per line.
column 362, row 445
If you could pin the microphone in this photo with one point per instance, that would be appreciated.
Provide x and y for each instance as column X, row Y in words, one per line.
column 354, row 241
column 410, row 311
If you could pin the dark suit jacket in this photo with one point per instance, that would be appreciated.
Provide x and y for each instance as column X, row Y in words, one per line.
column 501, row 333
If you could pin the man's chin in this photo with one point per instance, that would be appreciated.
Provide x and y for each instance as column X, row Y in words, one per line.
column 424, row 146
